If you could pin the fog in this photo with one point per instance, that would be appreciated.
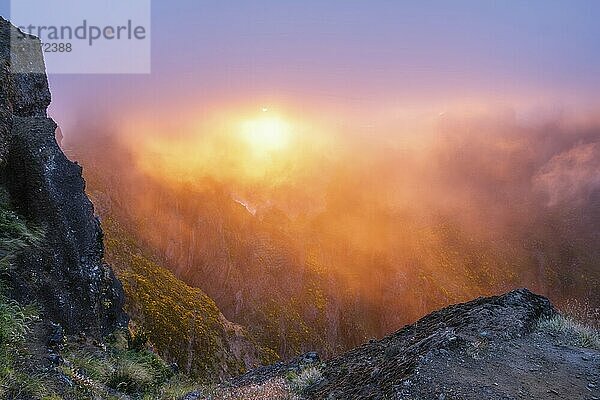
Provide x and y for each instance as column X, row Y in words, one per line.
column 349, row 232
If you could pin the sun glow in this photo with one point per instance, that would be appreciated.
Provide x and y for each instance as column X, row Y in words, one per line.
column 243, row 146
column 266, row 134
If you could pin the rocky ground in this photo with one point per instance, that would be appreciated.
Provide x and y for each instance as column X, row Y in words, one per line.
column 532, row 367
column 489, row 348
column 485, row 349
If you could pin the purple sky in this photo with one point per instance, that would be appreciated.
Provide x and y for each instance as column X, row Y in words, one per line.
column 353, row 55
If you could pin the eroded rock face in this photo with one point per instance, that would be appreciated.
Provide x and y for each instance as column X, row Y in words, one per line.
column 66, row 276
column 394, row 367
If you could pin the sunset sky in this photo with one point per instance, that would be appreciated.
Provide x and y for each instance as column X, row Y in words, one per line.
column 366, row 62
column 415, row 153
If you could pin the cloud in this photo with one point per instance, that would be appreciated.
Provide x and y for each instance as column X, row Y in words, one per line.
column 570, row 176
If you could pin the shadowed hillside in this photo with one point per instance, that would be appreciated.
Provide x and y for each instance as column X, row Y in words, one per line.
column 182, row 323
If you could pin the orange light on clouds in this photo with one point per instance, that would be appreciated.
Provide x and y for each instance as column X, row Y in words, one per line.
column 261, row 146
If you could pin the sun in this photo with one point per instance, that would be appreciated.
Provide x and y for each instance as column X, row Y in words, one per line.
column 266, row 134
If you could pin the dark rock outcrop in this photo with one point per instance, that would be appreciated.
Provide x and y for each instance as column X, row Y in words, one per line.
column 488, row 348
column 66, row 275
column 494, row 348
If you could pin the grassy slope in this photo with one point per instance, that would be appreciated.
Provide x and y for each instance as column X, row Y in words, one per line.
column 182, row 322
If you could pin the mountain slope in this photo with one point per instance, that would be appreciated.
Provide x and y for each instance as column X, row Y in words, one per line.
column 330, row 279
column 181, row 322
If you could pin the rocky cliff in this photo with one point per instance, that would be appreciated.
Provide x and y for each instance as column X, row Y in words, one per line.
column 59, row 267
column 66, row 275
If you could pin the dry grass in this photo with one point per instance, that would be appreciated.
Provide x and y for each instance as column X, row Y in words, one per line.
column 581, row 311
column 289, row 388
column 273, row 389
column 307, row 378
column 573, row 333
column 176, row 388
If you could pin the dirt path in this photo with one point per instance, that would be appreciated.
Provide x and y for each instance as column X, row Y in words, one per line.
column 533, row 367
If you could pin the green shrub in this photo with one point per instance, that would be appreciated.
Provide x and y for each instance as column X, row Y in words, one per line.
column 18, row 385
column 127, row 371
column 130, row 377
column 15, row 319
column 96, row 368
column 15, row 323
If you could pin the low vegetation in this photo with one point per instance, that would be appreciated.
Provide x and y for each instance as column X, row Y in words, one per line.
column 577, row 324
column 108, row 371
column 15, row 320
column 15, row 233
column 305, row 379
column 120, row 372
column 570, row 331
column 292, row 386
column 581, row 311
column 123, row 368
column 15, row 326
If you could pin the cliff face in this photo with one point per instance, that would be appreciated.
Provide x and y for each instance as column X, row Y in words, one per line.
column 66, row 275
